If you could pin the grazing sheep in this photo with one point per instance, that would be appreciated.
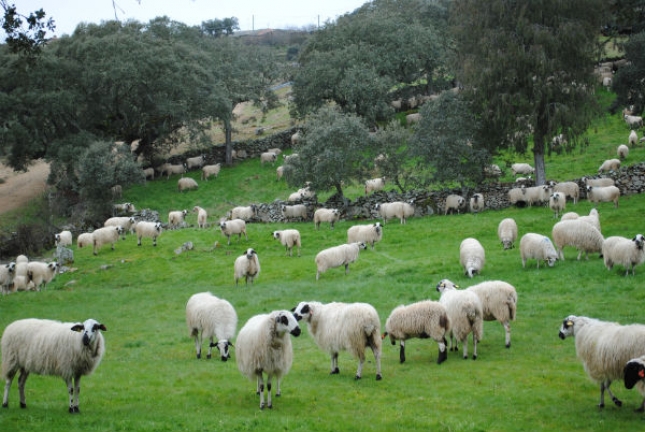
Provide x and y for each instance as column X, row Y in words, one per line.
column 264, row 347
column 634, row 373
column 609, row 165
column 337, row 256
column 374, row 185
column 211, row 170
column 627, row 252
column 569, row 189
column 232, row 227
column 326, row 215
column 598, row 182
column 207, row 317
column 634, row 122
column 46, row 347
column 202, row 216
column 245, row 213
column 633, row 139
column 169, row 169
column 269, row 157
column 465, row 313
column 147, row 229
column 424, row 319
column 604, row 348
column 275, row 150
column 125, row 222
column 186, row 183
column 343, row 327
column 7, row 273
column 247, row 266
column 124, row 208
column 622, row 151
column 195, row 162
column 289, row 238
column 499, row 303
column 106, row 235
column 557, row 203
column 41, row 273
column 579, row 234
column 537, row 247
column 297, row 211
column 176, row 218
column 397, row 209
column 477, row 203
column 454, row 203
column 522, row 168
column 596, row 194
column 368, row 234
column 63, row 238
column 279, row 172
column 84, row 240
column 472, row 256
column 507, row 233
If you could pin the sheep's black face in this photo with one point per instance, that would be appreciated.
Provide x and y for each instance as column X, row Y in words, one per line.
column 300, row 311
column 634, row 371
column 286, row 322
column 222, row 346
column 639, row 240
column 567, row 327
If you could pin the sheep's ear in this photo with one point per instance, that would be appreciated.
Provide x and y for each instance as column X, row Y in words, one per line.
column 78, row 328
column 102, row 327
column 230, row 344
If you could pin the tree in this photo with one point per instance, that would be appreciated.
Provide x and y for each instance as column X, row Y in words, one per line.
column 526, row 66
column 28, row 41
column 217, row 27
column 390, row 149
column 629, row 81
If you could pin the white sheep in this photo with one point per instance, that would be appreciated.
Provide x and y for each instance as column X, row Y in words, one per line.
column 84, row 240
column 622, row 151
column 269, row 157
column 634, row 374
column 499, row 303
column 195, row 162
column 275, row 150
column 465, row 313
column 232, row 227
column 536, row 194
column 7, row 274
column 147, row 229
column 609, row 165
column 41, row 273
column 397, row 209
column 634, row 122
column 326, row 215
column 627, row 252
column 599, row 182
column 295, row 197
column 63, row 238
column 343, row 327
column 246, row 266
column 477, row 203
column 537, row 247
column 368, row 234
column 46, row 347
column 209, row 317
column 289, row 238
column 592, row 218
column 106, row 235
column 186, row 183
column 570, row 216
column 149, row 173
column 336, row 256
column 522, row 168
column 492, row 171
column 472, row 256
column 507, row 233
column 569, row 189
column 424, row 319
column 125, row 222
column 306, row 192
column 176, row 218
column 516, row 195
column 454, row 203
column 596, row 194
column 557, row 203
column 632, row 139
column 374, row 185
column 604, row 348
column 246, row 213
column 124, row 208
column 202, row 216
column 211, row 170
column 296, row 211
column 579, row 234
column 263, row 346
column 279, row 172
column 169, row 169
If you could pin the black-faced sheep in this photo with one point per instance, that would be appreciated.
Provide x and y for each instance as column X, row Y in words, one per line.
column 125, row 222
column 634, row 375
column 246, row 266
column 106, row 235
column 569, row 189
column 472, row 256
column 557, row 203
column 507, row 233
column 537, row 247
column 368, row 234
column 124, row 208
column 627, row 252
column 326, row 215
column 209, row 317
column 232, row 227
column 454, row 203
column 7, row 274
column 336, row 256
column 477, row 203
column 269, row 157
column 147, row 229
column 289, row 238
column 596, row 194
column 581, row 235
column 176, row 218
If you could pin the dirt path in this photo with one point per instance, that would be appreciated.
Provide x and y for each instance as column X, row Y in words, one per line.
column 20, row 188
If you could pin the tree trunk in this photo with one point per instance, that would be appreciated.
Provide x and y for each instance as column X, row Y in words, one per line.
column 229, row 142
column 538, row 156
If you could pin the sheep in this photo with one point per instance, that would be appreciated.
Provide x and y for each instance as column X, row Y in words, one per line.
column 295, row 138
column 397, row 209
column 592, row 218
column 210, row 170
column 41, row 273
column 570, row 216
column 46, row 347
column 609, row 165
column 634, row 122
column 471, row 256
column 279, row 172
column 149, row 173
column 20, row 276
column 522, row 168
column 337, row 256
column 465, row 313
column 186, row 183
column 63, row 238
column 20, row 283
column 632, row 139
column 374, row 185
column 622, row 151
column 246, row 266
column 569, row 189
column 557, row 203
column 207, row 317
column 516, row 195
column 202, row 216
column 604, row 348
column 579, row 234
column 537, row 247
column 477, row 203
column 269, row 157
column 7, row 274
column 339, row 327
column 176, row 218
column 289, row 238
column 306, row 192
column 627, row 252
column 424, row 319
column 454, row 203
column 147, row 229
column 168, row 169
column 499, row 303
column 633, row 373
column 105, row 235
column 536, row 194
column 368, row 234
column 245, row 213
column 598, row 182
column 295, row 197
column 125, row 222
column 326, row 215
column 263, row 347
column 597, row 194
column 232, row 227
column 297, row 211
column 84, row 240
column 124, row 208
column 195, row 162
column 507, row 233
column 275, row 150
column 413, row 118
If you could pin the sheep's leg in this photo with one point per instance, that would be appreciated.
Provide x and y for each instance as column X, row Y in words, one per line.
column 269, row 379
column 359, row 371
column 198, row 345
column 278, row 391
column 346, row 268
column 377, row 358
column 402, row 352
column 474, row 346
column 507, row 329
column 7, row 387
column 22, row 379
column 465, row 346
column 210, row 348
column 334, row 364
column 443, row 352
column 605, row 386
column 261, row 389
column 74, row 393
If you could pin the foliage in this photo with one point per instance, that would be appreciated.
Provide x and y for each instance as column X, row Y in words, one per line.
column 25, row 41
column 392, row 157
column 629, row 81
column 219, row 27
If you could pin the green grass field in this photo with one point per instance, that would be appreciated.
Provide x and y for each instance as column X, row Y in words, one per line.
column 150, row 380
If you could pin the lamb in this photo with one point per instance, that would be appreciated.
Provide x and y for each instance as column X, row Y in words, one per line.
column 604, row 348
column 147, row 229
column 507, row 233
column 609, row 165
column 634, row 122
column 289, row 238
column 202, row 216
column 522, row 168
column 207, row 317
column 537, row 247
column 337, row 256
column 264, row 347
column 627, row 252
column 7, row 273
column 176, row 218
column 499, row 303
column 46, row 347
column 245, row 213
column 105, row 235
column 343, row 326
column 269, row 157
column 125, row 222
column 632, row 139
column 41, row 273
column 186, row 183
column 596, row 194
column 424, row 319
column 477, row 203
column 84, row 240
column 232, row 227
column 326, row 215
column 569, row 189
column 472, row 256
column 579, row 234
column 247, row 266
column 211, row 170
column 454, row 203
column 374, row 185
column 63, row 238
column 634, row 372
column 397, row 209
column 622, row 151
column 195, row 162
column 465, row 313
column 557, row 203
column 368, row 234
column 599, row 182
column 297, row 211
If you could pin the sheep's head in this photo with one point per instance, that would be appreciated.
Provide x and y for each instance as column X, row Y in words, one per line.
column 222, row 345
column 567, row 328
column 445, row 285
column 634, row 371
column 286, row 323
column 11, row 267
column 303, row 310
column 639, row 240
column 276, row 234
column 90, row 330
column 250, row 252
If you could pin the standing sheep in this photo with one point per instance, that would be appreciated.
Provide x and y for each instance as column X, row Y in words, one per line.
column 596, row 194
column 279, row 172
column 269, row 157
column 84, row 240
column 176, row 218
column 522, row 168
column 207, row 317
column 7, row 274
column 289, row 238
column 368, row 234
column 569, row 189
column 186, row 183
column 537, row 247
column 634, row 122
column 337, row 256
column 557, row 203
column 195, row 162
column 147, row 229
column 424, row 319
column 627, row 252
column 105, row 235
column 477, row 203
column 125, row 222
column 202, row 216
column 593, row 218
column 517, row 195
column 622, row 151
column 326, row 215
column 232, row 227
column 41, row 273
column 632, row 139
column 46, row 347
column 247, row 266
column 472, row 256
column 343, row 327
column 211, row 170
column 63, row 238
column 581, row 235
column 398, row 209
column 374, row 185
column 499, row 303
column 507, row 233
column 245, row 213
column 454, row 203
column 264, row 347
column 296, row 211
